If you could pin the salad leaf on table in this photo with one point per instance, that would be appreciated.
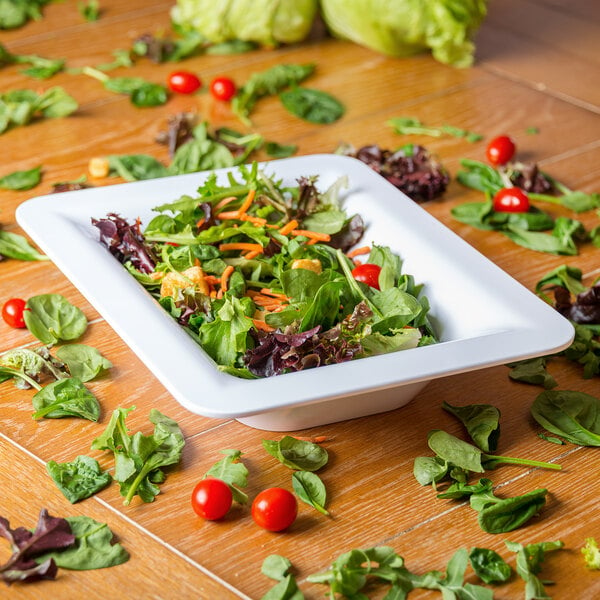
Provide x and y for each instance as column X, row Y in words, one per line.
column 78, row 479
column 28, row 366
column 482, row 422
column 310, row 489
column 233, row 472
column 13, row 245
column 22, row 180
column 311, row 105
column 533, row 371
column 15, row 13
column 301, row 455
column 66, row 398
column 84, row 362
column 279, row 568
column 489, row 566
column 413, row 126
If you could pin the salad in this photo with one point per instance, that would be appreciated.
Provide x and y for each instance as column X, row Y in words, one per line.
column 270, row 279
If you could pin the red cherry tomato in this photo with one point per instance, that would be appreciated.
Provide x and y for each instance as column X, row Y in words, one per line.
column 511, row 199
column 183, row 82
column 12, row 312
column 367, row 273
column 211, row 499
column 500, row 150
column 275, row 509
column 222, row 88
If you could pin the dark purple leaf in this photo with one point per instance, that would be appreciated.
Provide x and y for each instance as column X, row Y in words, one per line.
column 586, row 308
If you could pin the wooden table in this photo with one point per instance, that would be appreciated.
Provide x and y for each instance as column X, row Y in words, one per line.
column 537, row 66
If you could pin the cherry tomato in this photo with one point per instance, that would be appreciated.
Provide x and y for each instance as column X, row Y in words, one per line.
column 222, row 88
column 183, row 82
column 12, row 312
column 511, row 199
column 275, row 509
column 500, row 150
column 211, row 499
column 367, row 273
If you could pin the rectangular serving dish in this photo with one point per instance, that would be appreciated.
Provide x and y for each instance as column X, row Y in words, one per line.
column 482, row 316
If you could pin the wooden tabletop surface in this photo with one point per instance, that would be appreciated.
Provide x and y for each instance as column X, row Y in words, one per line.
column 537, row 65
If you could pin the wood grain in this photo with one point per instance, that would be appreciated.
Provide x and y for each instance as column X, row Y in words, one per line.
column 537, row 66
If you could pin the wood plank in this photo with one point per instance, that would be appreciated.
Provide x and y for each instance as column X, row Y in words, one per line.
column 24, row 481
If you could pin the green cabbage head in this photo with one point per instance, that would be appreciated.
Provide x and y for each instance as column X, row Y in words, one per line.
column 405, row 27
column 267, row 22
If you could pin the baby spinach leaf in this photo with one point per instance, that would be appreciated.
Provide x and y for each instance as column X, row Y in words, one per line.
column 489, row 566
column 84, row 362
column 233, row 472
column 13, row 245
column 482, row 422
column 311, row 105
column 28, row 366
column 551, row 439
column 78, row 479
column 136, row 167
column 139, row 458
column 500, row 515
column 310, row 489
column 52, row 318
column 429, row 469
column 66, row 398
column 22, row 180
column 459, row 489
column 275, row 150
column 301, row 455
column 93, row 547
column 533, row 371
column 572, row 415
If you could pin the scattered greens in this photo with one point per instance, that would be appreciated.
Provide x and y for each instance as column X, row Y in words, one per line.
column 66, row 398
column 84, row 362
column 533, row 371
column 489, row 566
column 15, row 13
column 28, row 366
column 20, row 107
column 52, row 318
column 311, row 105
column 89, row 10
column 529, row 564
column 278, row 568
column 139, row 458
column 267, row 83
column 233, row 472
column 413, row 126
column 310, row 489
column 297, row 454
column 78, row 543
column 482, row 422
column 591, row 554
column 142, row 93
column 13, row 245
column 78, row 479
column 574, row 416
column 22, row 180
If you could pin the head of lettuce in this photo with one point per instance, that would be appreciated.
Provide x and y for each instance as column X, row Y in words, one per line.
column 405, row 27
column 393, row 27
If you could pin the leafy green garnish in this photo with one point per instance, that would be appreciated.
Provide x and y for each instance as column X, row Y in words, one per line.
column 591, row 553
column 22, row 180
column 233, row 472
column 279, row 568
column 310, row 489
column 13, row 245
column 489, row 566
column 482, row 422
column 311, row 105
column 297, row 454
column 78, row 479
column 413, row 126
column 139, row 458
column 533, row 371
column 84, row 362
column 66, row 398
column 89, row 10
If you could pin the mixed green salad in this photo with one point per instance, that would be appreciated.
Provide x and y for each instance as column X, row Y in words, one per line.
column 270, row 279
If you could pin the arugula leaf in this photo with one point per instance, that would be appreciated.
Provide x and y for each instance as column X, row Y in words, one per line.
column 84, row 362
column 278, row 568
column 139, row 458
column 310, row 489
column 66, row 398
column 482, row 422
column 78, row 479
column 311, row 105
column 93, row 547
column 137, row 167
column 233, row 472
column 52, row 318
column 275, row 150
column 13, row 245
column 265, row 83
column 428, row 470
column 529, row 560
column 301, row 455
column 413, row 126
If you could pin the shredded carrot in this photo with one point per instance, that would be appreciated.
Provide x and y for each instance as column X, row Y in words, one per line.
column 224, row 202
column 251, row 219
column 251, row 254
column 313, row 235
column 240, row 246
column 288, row 227
column 211, row 279
column 262, row 325
column 230, row 214
column 268, row 292
column 356, row 261
column 247, row 202
column 227, row 271
column 197, row 263
column 213, row 293
column 157, row 275
column 200, row 222
column 317, row 439
column 219, row 294
column 358, row 251
column 312, row 242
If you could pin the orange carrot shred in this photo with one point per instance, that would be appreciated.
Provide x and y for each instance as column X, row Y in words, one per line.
column 358, row 251
column 288, row 227
column 262, row 325
column 251, row 254
column 240, row 246
column 247, row 202
column 313, row 235
column 224, row 202
column 200, row 222
column 268, row 292
column 225, row 277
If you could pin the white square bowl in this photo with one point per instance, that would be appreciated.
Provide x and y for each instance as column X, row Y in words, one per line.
column 481, row 315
